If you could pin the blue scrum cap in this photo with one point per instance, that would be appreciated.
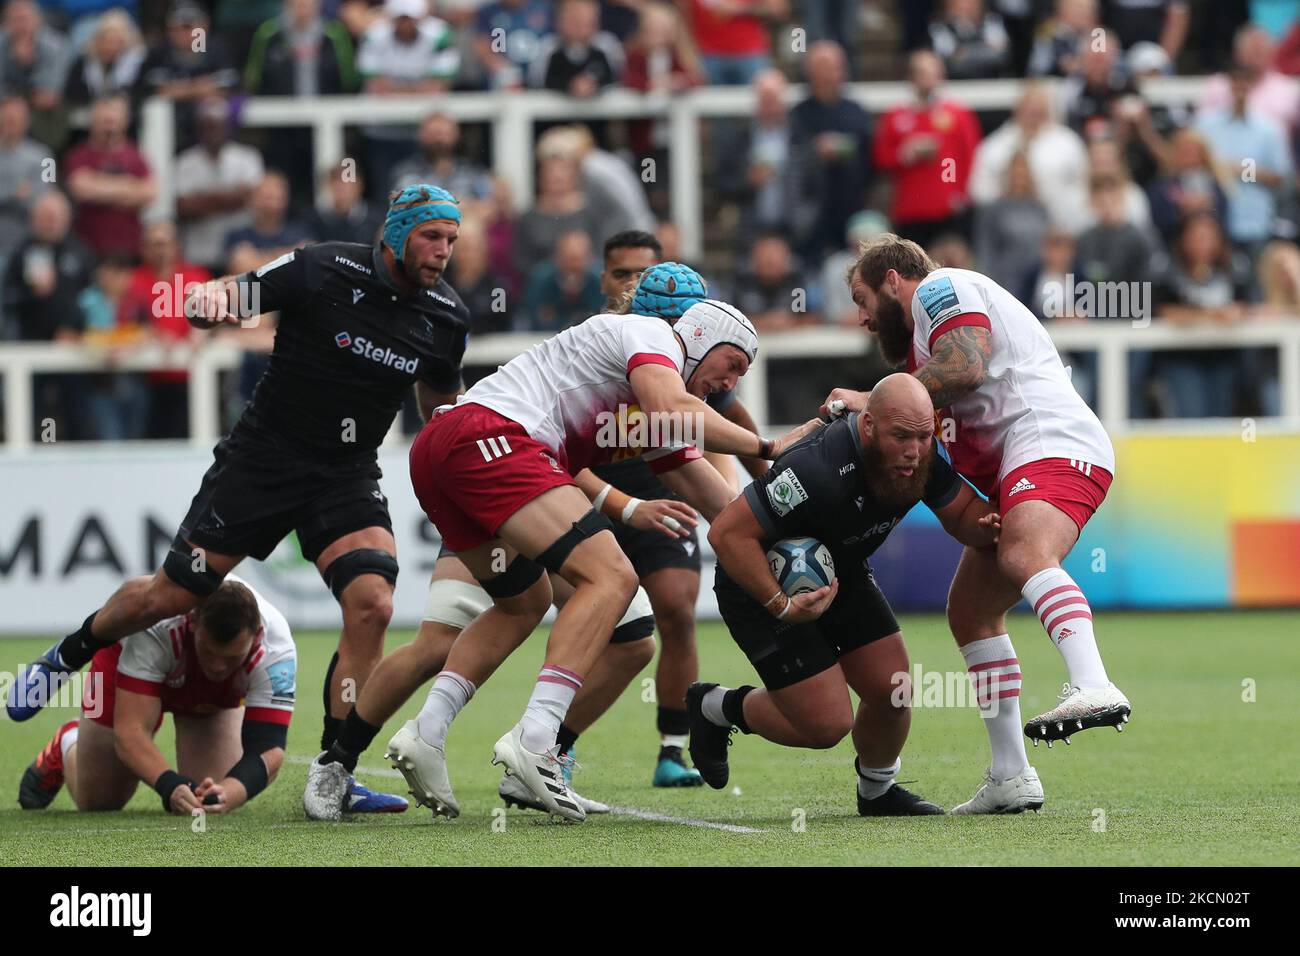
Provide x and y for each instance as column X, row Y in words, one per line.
column 413, row 206
column 667, row 290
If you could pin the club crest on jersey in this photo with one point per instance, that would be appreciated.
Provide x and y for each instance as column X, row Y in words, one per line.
column 283, row 676
column 786, row 492
column 939, row 299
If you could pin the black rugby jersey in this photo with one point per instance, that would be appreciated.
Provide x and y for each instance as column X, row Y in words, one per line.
column 818, row 490
column 348, row 348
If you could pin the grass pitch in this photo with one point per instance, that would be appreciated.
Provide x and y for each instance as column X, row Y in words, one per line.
column 1205, row 774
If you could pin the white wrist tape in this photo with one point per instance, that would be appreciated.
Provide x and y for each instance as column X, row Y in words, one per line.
column 630, row 507
column 599, row 501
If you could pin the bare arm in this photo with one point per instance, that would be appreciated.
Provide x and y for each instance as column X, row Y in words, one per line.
column 1174, row 34
column 725, row 465
column 737, row 539
column 131, row 192
column 134, row 718
column 384, row 84
column 646, row 516
column 958, row 365
column 213, row 303
column 205, row 203
column 699, row 484
column 659, row 390
column 970, row 519
column 737, row 412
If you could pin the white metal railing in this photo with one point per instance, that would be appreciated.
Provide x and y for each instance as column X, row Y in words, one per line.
column 1111, row 342
column 511, row 117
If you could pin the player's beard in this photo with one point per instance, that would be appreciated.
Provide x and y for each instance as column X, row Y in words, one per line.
column 891, row 329
column 416, row 277
column 890, row 488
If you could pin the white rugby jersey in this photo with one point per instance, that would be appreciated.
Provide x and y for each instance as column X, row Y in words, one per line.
column 1026, row 409
column 571, row 392
column 160, row 662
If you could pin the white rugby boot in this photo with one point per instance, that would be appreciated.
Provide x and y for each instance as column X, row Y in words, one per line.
column 327, row 789
column 542, row 774
column 1015, row 794
column 1080, row 710
column 424, row 767
column 515, row 794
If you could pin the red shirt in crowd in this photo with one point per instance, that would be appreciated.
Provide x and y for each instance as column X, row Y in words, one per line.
column 934, row 186
column 157, row 303
column 721, row 34
column 107, row 229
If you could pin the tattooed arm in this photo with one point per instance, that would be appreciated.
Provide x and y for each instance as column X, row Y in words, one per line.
column 958, row 364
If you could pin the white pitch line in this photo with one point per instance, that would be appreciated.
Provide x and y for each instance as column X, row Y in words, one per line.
column 616, row 811
column 681, row 821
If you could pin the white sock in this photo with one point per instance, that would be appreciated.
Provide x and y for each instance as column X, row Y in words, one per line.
column 449, row 693
column 873, row 781
column 552, row 695
column 711, row 705
column 1067, row 618
column 674, row 740
column 995, row 675
column 68, row 742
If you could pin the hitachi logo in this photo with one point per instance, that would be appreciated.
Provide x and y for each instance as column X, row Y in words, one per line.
column 344, row 260
column 365, row 348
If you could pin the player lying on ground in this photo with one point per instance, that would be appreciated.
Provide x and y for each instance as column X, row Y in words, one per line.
column 847, row 486
column 664, row 557
column 225, row 671
column 358, row 326
column 494, row 475
column 1025, row 438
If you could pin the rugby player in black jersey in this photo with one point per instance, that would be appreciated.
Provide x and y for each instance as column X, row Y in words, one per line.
column 848, row 486
column 359, row 325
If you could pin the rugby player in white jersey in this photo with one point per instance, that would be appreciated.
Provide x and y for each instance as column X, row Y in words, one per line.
column 225, row 671
column 1026, row 440
column 494, row 474
column 455, row 598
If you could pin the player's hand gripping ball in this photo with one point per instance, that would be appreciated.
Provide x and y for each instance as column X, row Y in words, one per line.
column 801, row 565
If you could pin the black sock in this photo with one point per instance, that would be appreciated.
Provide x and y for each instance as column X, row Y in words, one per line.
column 80, row 646
column 566, row 738
column 332, row 724
column 354, row 737
column 673, row 721
column 733, row 707
column 330, row 734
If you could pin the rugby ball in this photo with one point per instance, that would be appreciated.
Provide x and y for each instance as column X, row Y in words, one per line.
column 800, row 565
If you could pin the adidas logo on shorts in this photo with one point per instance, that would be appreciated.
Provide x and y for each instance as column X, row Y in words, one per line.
column 1024, row 484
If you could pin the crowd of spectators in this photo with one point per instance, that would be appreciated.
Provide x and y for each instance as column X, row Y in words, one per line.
column 1085, row 183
